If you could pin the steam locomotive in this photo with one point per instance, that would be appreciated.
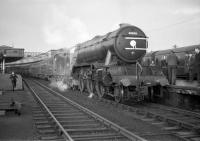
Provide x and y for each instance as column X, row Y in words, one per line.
column 110, row 65
column 185, row 57
column 105, row 65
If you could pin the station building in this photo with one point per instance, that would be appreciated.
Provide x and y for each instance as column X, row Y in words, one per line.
column 9, row 54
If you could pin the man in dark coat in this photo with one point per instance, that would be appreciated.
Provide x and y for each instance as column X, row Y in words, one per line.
column 13, row 78
column 172, row 62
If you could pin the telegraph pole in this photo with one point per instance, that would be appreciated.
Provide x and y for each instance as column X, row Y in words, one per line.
column 2, row 61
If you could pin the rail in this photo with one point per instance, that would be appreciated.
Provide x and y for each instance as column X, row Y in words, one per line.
column 114, row 126
column 51, row 114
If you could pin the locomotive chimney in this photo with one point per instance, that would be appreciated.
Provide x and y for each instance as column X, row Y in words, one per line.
column 123, row 25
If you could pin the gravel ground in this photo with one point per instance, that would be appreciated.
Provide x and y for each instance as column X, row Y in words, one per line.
column 14, row 127
column 123, row 118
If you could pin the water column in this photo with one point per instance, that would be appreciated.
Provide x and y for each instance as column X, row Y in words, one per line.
column 3, row 65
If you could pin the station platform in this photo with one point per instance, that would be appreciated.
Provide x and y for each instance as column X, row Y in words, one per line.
column 5, row 82
column 187, row 83
column 13, row 126
column 185, row 87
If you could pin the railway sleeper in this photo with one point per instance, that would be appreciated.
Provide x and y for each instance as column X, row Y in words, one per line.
column 172, row 128
column 90, row 131
column 44, row 126
column 63, row 122
column 53, row 138
column 41, row 118
column 58, row 105
column 60, row 108
column 169, row 120
column 100, row 137
column 65, row 111
column 161, row 123
column 182, row 124
column 41, row 122
column 47, row 131
column 39, row 115
column 68, row 114
column 187, row 134
column 83, row 126
column 148, row 119
column 87, row 129
column 71, row 118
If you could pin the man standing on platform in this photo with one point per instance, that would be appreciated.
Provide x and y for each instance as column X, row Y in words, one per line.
column 172, row 62
column 13, row 78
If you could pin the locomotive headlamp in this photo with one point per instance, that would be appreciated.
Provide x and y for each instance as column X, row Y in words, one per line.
column 133, row 43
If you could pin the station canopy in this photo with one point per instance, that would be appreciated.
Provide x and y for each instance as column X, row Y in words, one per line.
column 10, row 54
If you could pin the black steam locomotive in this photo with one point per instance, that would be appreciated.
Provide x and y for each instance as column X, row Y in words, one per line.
column 110, row 65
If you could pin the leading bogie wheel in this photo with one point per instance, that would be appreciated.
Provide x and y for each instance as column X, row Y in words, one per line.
column 118, row 94
column 100, row 89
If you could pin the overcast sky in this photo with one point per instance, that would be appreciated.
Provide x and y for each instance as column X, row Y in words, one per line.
column 42, row 25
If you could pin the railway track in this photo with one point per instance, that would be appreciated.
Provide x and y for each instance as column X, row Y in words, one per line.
column 182, row 123
column 63, row 119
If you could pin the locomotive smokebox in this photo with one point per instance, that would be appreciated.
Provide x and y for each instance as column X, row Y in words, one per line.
column 128, row 43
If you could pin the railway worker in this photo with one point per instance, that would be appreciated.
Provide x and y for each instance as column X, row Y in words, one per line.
column 172, row 62
column 197, row 64
column 152, row 63
column 13, row 78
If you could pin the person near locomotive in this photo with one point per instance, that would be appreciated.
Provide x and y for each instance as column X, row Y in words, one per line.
column 197, row 64
column 172, row 62
column 13, row 78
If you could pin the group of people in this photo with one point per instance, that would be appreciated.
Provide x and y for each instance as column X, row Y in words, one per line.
column 194, row 66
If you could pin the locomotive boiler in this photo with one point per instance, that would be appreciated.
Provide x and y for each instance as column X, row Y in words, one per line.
column 110, row 64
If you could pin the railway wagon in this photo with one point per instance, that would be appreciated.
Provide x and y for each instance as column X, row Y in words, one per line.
column 55, row 66
column 51, row 65
column 110, row 64
column 185, row 57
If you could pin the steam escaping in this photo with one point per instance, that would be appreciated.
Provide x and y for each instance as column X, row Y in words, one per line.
column 91, row 95
column 59, row 85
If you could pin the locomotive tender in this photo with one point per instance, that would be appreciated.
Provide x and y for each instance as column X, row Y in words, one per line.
column 110, row 64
